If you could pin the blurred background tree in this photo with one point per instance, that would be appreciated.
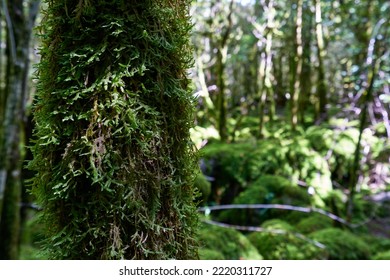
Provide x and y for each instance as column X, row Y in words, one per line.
column 17, row 21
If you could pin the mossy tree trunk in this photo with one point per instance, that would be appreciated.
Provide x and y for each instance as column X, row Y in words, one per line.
column 298, row 63
column 322, row 86
column 114, row 161
column 305, row 78
column 222, row 52
column 19, row 30
column 265, row 68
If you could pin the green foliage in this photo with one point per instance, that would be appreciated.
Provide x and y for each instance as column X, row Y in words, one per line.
column 278, row 246
column 232, row 244
column 112, row 153
column 340, row 245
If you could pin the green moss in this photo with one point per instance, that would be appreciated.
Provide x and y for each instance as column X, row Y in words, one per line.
column 377, row 244
column 113, row 158
column 314, row 223
column 320, row 137
column 278, row 246
column 382, row 256
column 232, row 244
column 207, row 254
column 236, row 166
column 341, row 245
column 229, row 165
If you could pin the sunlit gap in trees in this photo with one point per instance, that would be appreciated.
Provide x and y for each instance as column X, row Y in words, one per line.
column 246, row 2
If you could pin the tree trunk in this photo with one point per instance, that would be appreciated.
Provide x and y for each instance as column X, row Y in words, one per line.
column 222, row 102
column 114, row 161
column 305, row 79
column 265, row 67
column 222, row 50
column 297, row 82
column 321, row 82
column 19, row 29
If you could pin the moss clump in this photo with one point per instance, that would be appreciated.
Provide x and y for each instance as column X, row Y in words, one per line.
column 382, row 256
column 232, row 244
column 341, row 245
column 314, row 223
column 207, row 254
column 229, row 165
column 377, row 244
column 278, row 246
column 113, row 157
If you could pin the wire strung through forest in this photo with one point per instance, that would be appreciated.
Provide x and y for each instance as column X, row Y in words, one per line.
column 208, row 209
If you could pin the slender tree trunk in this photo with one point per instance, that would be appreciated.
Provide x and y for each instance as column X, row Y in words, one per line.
column 372, row 66
column 305, row 79
column 10, row 165
column 222, row 101
column 209, row 107
column 265, row 68
column 321, row 82
column 2, row 102
column 2, row 78
column 297, row 82
column 221, row 77
column 280, row 90
column 14, row 115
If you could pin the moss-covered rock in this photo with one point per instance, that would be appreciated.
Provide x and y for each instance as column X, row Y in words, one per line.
column 238, row 165
column 232, row 244
column 208, row 254
column 340, row 245
column 279, row 243
column 314, row 223
column 229, row 165
column 382, row 256
column 377, row 244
